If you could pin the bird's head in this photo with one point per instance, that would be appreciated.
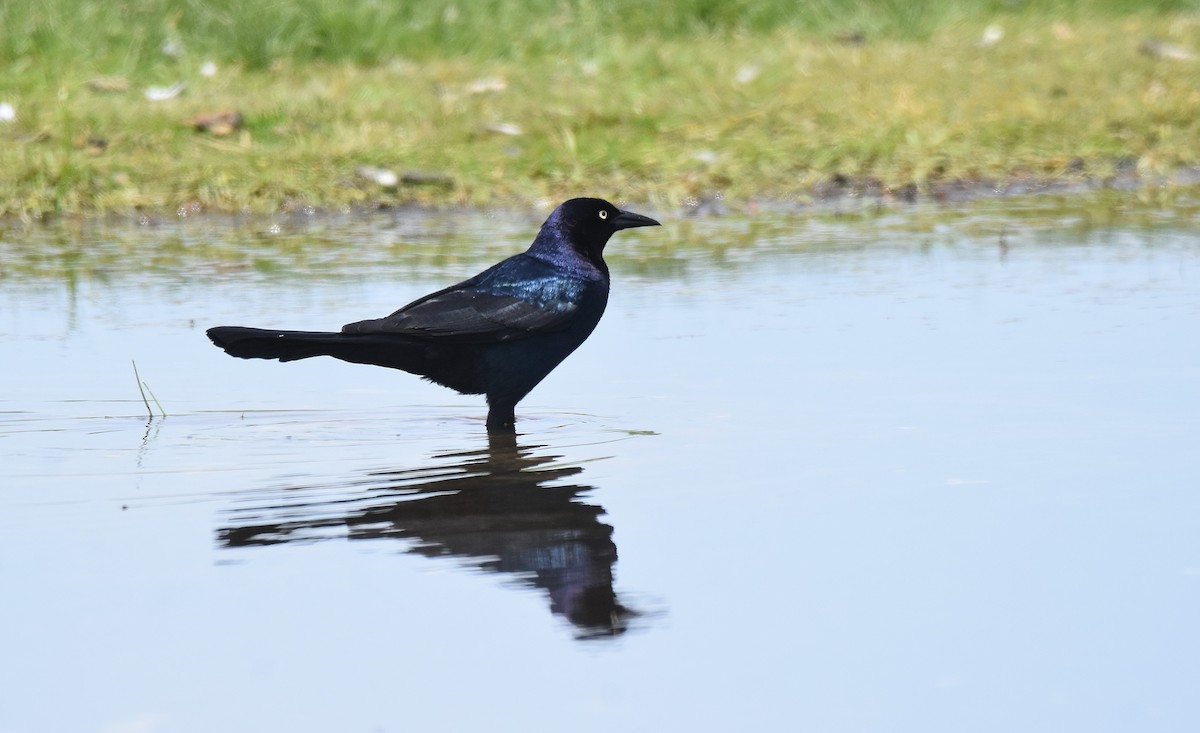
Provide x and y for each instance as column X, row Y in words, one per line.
column 585, row 225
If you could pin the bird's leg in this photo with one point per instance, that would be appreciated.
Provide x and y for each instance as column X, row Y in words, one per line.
column 501, row 416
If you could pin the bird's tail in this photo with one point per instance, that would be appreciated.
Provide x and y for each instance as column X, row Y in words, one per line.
column 261, row 343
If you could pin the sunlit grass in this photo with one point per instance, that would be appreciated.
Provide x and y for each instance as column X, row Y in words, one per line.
column 487, row 103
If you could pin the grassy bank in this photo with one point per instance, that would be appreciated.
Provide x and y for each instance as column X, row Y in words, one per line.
column 490, row 101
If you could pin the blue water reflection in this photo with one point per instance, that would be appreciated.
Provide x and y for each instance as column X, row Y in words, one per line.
column 505, row 509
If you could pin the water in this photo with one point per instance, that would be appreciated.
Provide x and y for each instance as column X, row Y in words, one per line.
column 824, row 473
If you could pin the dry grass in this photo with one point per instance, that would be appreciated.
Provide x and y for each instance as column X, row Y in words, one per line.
column 747, row 113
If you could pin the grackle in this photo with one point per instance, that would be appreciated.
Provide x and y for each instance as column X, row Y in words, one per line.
column 497, row 334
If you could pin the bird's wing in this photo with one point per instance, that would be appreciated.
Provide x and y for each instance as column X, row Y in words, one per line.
column 512, row 300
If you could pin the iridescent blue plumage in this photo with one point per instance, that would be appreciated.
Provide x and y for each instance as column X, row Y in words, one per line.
column 498, row 333
column 536, row 281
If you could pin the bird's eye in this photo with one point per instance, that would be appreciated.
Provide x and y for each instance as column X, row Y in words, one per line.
column 603, row 214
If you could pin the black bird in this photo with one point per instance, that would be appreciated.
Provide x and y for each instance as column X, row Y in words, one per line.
column 497, row 334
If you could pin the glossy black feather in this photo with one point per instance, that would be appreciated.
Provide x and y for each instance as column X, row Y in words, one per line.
column 498, row 333
column 517, row 298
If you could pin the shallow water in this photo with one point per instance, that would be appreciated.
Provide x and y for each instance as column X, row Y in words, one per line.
column 828, row 473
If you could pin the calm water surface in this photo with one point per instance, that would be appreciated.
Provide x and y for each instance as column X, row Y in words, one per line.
column 810, row 473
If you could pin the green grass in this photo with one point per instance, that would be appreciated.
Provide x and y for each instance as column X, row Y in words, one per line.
column 629, row 99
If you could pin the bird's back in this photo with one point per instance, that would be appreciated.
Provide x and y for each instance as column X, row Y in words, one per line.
column 519, row 298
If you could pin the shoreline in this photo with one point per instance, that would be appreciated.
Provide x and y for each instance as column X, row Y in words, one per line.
column 837, row 194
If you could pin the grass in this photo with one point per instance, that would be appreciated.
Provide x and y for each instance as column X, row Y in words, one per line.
column 630, row 100
column 143, row 388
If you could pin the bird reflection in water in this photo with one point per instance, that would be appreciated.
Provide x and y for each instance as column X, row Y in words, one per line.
column 505, row 508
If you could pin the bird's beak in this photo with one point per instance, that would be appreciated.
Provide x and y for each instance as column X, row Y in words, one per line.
column 629, row 220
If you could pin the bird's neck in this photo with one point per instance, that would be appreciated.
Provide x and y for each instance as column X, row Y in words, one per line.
column 553, row 246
